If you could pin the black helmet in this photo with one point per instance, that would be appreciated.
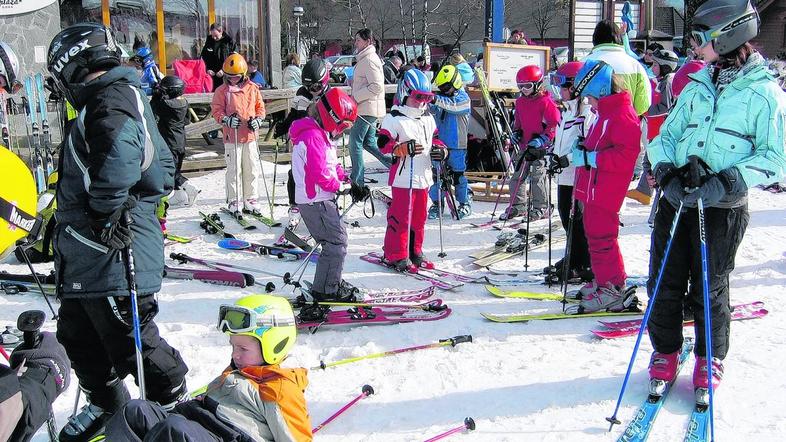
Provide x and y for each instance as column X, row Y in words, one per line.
column 315, row 72
column 79, row 50
column 727, row 23
column 171, row 86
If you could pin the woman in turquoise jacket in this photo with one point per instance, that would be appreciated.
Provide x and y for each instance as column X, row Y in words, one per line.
column 731, row 118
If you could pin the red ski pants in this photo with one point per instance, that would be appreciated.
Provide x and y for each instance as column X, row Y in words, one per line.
column 398, row 218
column 602, row 228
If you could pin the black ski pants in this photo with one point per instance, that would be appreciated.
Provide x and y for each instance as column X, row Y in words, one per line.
column 682, row 280
column 97, row 334
column 178, row 156
column 146, row 421
column 579, row 250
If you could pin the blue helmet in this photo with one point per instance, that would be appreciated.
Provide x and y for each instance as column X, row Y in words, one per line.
column 143, row 52
column 594, row 79
column 415, row 82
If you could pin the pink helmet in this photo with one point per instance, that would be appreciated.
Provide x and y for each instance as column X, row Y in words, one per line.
column 681, row 78
column 566, row 73
column 528, row 74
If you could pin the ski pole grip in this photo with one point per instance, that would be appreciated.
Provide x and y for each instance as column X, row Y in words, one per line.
column 457, row 340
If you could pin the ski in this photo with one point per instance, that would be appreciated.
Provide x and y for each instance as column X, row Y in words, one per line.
column 382, row 197
column 373, row 316
column 178, row 238
column 220, row 277
column 212, row 224
column 238, row 217
column 698, row 425
column 263, row 219
column 297, row 241
column 538, row 279
column 501, row 293
column 551, row 316
column 46, row 138
column 436, row 282
column 739, row 314
column 37, row 160
column 431, row 305
column 639, row 427
column 390, row 296
column 440, row 273
column 265, row 250
column 741, row 309
column 514, row 249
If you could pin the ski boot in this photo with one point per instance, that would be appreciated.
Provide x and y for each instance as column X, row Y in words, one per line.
column 10, row 337
column 313, row 312
column 589, row 288
column 419, row 261
column 402, row 265
column 252, row 206
column 92, row 418
column 210, row 227
column 464, row 210
column 662, row 370
column 608, row 298
column 536, row 214
column 433, row 211
column 701, row 383
column 511, row 212
column 191, row 193
column 641, row 197
column 294, row 220
column 234, row 208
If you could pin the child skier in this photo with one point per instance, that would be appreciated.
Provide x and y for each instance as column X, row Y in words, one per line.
column 451, row 110
column 537, row 117
column 151, row 75
column 408, row 132
column 237, row 106
column 318, row 176
column 731, row 118
column 254, row 399
column 576, row 120
column 604, row 166
column 171, row 111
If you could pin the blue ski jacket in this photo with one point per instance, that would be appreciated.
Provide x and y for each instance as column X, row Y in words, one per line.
column 452, row 117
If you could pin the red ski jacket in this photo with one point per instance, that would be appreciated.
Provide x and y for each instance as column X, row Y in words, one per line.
column 535, row 116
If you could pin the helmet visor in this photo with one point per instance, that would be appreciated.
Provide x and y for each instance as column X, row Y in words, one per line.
column 559, row 79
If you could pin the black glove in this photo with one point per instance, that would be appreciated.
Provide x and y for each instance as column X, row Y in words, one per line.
column 231, row 121
column 438, row 153
column 556, row 163
column 112, row 229
column 534, row 153
column 663, row 173
column 359, row 193
column 674, row 192
column 48, row 355
column 255, row 123
column 716, row 187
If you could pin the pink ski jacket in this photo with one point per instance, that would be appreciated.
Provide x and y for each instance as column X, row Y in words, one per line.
column 315, row 166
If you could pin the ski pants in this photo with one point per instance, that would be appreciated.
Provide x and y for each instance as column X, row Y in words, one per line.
column 682, row 279
column 602, row 228
column 191, row 421
column 456, row 163
column 178, row 156
column 643, row 186
column 398, row 233
column 535, row 171
column 325, row 225
column 98, row 336
column 363, row 136
column 248, row 175
column 579, row 251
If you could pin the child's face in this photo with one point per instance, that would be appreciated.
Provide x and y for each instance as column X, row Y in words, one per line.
column 564, row 93
column 593, row 102
column 656, row 69
column 246, row 351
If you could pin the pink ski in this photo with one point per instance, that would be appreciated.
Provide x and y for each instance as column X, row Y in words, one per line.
column 399, row 296
column 439, row 273
column 376, row 316
column 436, row 282
column 753, row 306
column 220, row 277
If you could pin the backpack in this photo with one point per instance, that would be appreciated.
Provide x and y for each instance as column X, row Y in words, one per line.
column 42, row 251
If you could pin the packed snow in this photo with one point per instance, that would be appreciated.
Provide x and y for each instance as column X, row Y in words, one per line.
column 544, row 381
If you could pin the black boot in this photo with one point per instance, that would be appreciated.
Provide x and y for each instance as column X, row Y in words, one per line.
column 91, row 419
column 313, row 312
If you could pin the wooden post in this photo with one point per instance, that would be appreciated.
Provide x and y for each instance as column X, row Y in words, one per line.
column 105, row 13
column 572, row 30
column 161, row 40
column 262, row 33
column 211, row 12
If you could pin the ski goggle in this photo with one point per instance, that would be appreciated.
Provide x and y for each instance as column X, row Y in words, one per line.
column 526, row 86
column 561, row 80
column 421, row 97
column 236, row 319
column 316, row 87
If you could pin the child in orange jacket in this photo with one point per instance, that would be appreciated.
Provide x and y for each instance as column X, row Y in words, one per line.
column 237, row 106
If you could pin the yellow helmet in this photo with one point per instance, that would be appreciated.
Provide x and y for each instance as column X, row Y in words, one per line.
column 448, row 77
column 235, row 64
column 269, row 319
column 18, row 201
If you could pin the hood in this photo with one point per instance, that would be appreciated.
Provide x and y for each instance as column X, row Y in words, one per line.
column 609, row 104
column 305, row 128
column 83, row 92
column 367, row 51
column 411, row 112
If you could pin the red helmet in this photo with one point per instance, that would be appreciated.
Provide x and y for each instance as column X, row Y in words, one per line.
column 681, row 78
column 566, row 73
column 528, row 74
column 337, row 110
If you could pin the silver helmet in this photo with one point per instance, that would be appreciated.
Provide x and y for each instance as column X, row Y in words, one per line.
column 727, row 23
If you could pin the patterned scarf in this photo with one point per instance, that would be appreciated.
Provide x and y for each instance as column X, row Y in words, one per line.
column 729, row 74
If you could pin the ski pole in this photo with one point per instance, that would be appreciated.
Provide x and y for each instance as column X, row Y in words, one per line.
column 131, row 276
column 411, row 145
column 613, row 419
column 707, row 316
column 36, row 279
column 469, row 425
column 275, row 172
column 529, row 211
column 568, row 249
column 654, row 210
column 4, row 353
column 441, row 343
column 366, row 391
column 523, row 165
column 549, row 208
column 238, row 209
column 442, row 253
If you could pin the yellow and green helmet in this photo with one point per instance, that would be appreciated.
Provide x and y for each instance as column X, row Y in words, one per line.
column 267, row 318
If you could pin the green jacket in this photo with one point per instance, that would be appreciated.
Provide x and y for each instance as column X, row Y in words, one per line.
column 633, row 73
column 741, row 127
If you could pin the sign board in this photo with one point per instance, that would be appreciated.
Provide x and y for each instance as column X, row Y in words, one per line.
column 502, row 61
column 16, row 7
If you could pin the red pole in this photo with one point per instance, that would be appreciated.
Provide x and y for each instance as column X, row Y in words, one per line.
column 367, row 391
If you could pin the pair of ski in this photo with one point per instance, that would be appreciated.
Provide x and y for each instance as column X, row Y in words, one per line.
column 378, row 314
column 620, row 329
column 511, row 244
column 41, row 155
column 239, row 217
column 439, row 278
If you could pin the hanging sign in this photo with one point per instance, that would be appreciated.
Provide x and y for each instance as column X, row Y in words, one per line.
column 16, row 7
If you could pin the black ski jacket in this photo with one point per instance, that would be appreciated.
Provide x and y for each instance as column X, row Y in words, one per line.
column 172, row 117
column 216, row 51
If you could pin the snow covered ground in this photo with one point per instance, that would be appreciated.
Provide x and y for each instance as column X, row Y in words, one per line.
column 549, row 381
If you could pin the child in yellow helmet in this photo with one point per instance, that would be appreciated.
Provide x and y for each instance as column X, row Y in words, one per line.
column 253, row 399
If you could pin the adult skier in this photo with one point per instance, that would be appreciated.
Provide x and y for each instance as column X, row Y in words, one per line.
column 114, row 171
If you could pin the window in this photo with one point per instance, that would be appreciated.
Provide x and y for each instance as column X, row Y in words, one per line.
column 239, row 18
column 185, row 29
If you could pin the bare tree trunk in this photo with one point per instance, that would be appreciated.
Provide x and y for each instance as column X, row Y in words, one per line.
column 349, row 18
column 362, row 13
column 425, row 22
column 412, row 17
column 403, row 28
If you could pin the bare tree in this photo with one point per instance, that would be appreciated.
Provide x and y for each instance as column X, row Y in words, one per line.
column 403, row 26
column 546, row 15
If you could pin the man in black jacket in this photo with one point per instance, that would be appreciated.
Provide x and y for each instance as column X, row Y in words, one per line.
column 114, row 168
column 217, row 48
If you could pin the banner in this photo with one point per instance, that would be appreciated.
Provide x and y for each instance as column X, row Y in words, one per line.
column 16, row 7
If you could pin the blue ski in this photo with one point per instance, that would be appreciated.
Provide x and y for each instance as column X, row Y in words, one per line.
column 698, row 425
column 639, row 428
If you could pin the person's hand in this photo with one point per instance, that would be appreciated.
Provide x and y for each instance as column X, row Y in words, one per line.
column 220, row 74
column 47, row 355
column 716, row 187
column 255, row 123
column 534, row 153
column 662, row 173
column 211, row 73
column 359, row 193
column 231, row 121
column 438, row 153
column 650, row 180
column 407, row 149
column 673, row 192
column 585, row 158
column 111, row 228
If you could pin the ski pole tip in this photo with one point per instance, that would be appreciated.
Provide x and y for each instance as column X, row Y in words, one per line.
column 368, row 390
column 469, row 423
column 613, row 421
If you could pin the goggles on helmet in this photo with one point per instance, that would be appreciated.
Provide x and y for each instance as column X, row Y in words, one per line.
column 561, row 80
column 421, row 97
column 446, row 88
column 704, row 36
column 526, row 86
column 236, row 319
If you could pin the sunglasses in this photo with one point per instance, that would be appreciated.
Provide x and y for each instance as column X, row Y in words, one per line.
column 422, row 96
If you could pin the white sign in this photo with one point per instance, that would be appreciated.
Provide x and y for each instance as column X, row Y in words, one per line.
column 502, row 62
column 40, row 54
column 15, row 7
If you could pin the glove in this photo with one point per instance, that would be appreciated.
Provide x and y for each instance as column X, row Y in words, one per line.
column 585, row 158
column 674, row 192
column 111, row 228
column 255, row 123
column 231, row 121
column 534, row 153
column 663, row 173
column 438, row 153
column 359, row 193
column 48, row 355
column 408, row 148
column 727, row 182
column 556, row 163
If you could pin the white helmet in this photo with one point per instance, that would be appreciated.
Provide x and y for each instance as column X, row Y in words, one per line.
column 9, row 65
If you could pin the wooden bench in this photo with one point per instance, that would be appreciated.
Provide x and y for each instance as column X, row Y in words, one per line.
column 486, row 186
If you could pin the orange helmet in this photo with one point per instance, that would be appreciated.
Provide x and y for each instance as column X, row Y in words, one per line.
column 235, row 64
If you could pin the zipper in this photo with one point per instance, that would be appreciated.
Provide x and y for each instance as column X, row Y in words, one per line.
column 92, row 244
column 734, row 133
